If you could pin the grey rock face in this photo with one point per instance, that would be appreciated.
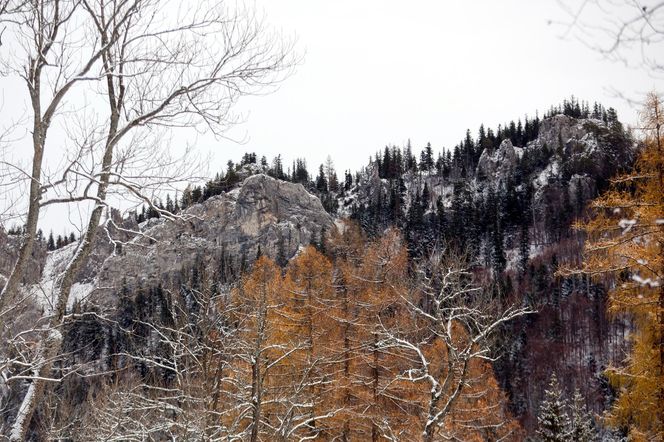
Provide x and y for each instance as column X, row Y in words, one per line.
column 279, row 217
column 585, row 140
column 499, row 164
column 561, row 127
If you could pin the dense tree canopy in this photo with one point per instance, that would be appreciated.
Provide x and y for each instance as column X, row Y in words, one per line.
column 626, row 245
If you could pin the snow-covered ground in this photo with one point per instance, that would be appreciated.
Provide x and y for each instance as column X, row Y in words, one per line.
column 44, row 292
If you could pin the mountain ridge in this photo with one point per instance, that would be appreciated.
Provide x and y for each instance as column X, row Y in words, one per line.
column 506, row 209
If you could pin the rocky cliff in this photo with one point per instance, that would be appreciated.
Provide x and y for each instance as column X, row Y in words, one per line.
column 580, row 153
column 498, row 165
column 509, row 206
column 262, row 215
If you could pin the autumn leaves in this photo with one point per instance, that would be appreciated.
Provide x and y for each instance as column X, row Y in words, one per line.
column 356, row 345
column 625, row 247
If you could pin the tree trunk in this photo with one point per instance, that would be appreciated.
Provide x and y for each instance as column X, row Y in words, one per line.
column 38, row 134
column 47, row 345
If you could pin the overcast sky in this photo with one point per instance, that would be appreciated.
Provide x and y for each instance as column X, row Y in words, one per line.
column 380, row 72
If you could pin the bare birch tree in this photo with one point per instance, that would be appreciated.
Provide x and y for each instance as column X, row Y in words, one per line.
column 455, row 322
column 158, row 65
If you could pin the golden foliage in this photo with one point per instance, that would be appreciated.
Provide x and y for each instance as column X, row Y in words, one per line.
column 312, row 351
column 626, row 242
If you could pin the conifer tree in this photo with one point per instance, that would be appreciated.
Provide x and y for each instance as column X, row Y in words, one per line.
column 581, row 421
column 524, row 248
column 426, row 159
column 321, row 181
column 553, row 421
column 170, row 207
column 441, row 219
column 50, row 245
column 348, row 180
column 498, row 259
column 410, row 162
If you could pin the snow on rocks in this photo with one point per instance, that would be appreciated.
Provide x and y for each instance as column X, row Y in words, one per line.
column 45, row 291
column 497, row 164
column 552, row 170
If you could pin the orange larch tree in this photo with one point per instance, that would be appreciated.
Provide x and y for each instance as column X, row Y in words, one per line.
column 385, row 405
column 314, row 307
column 449, row 353
column 625, row 247
column 264, row 396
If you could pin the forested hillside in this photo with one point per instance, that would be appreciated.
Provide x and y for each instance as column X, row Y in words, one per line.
column 507, row 199
column 499, row 283
column 428, row 295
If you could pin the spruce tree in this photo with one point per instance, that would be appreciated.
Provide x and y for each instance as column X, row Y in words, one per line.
column 321, row 181
column 348, row 180
column 426, row 159
column 414, row 223
column 385, row 170
column 582, row 426
column 524, row 248
column 426, row 197
column 553, row 421
column 440, row 164
column 169, row 204
column 441, row 219
column 498, row 259
column 482, row 140
column 409, row 158
column 50, row 245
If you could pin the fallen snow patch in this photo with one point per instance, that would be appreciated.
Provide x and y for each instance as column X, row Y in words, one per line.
column 80, row 291
column 551, row 170
column 45, row 292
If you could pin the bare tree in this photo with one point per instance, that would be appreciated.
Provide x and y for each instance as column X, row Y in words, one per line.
column 627, row 31
column 45, row 56
column 187, row 356
column 159, row 65
column 455, row 323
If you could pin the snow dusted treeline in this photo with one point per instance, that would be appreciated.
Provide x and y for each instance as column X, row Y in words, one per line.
column 154, row 327
column 352, row 343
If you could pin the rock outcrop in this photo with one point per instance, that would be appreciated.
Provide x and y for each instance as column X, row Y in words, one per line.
column 580, row 154
column 499, row 164
column 263, row 213
column 561, row 127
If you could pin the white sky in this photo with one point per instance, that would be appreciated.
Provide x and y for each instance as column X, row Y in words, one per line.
column 378, row 72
